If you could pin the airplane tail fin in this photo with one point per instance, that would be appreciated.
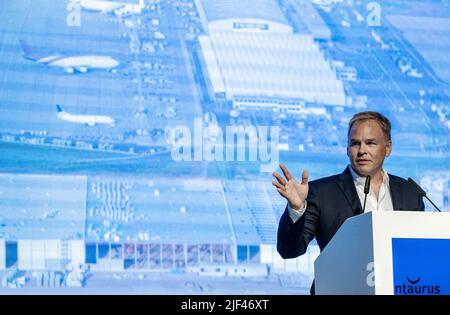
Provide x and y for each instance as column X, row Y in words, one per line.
column 28, row 51
column 59, row 109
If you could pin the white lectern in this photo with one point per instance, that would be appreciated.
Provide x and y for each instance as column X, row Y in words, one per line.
column 387, row 252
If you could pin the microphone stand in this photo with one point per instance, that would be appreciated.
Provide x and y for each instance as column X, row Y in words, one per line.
column 366, row 191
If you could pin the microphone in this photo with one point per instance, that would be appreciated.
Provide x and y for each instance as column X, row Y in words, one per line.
column 366, row 191
column 421, row 192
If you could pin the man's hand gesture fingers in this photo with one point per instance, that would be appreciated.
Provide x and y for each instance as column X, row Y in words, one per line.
column 286, row 172
column 279, row 178
column 305, row 177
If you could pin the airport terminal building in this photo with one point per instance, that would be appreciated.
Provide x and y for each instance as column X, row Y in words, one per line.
column 207, row 226
column 255, row 54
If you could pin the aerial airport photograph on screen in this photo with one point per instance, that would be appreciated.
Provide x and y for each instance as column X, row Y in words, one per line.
column 138, row 137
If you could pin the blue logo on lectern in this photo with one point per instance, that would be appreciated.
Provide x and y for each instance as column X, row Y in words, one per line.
column 421, row 266
column 414, row 287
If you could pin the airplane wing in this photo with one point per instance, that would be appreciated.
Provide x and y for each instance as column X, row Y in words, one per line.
column 112, row 7
column 82, row 69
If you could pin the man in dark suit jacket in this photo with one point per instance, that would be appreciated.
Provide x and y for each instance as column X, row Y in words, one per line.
column 318, row 209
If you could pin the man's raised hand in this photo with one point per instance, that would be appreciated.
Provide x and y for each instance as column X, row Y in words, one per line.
column 293, row 191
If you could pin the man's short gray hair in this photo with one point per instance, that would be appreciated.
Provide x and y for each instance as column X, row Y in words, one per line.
column 384, row 123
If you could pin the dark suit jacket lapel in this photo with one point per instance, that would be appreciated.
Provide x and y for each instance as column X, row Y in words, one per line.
column 396, row 195
column 347, row 186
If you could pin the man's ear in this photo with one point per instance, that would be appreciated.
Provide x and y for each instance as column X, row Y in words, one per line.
column 388, row 148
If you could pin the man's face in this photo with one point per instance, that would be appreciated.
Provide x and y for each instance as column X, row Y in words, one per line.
column 367, row 147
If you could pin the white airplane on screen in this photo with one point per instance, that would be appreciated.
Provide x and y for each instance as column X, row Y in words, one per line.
column 105, row 7
column 90, row 120
column 70, row 64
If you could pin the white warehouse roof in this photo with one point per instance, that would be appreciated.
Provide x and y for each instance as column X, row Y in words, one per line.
column 243, row 9
column 237, row 15
column 279, row 65
column 37, row 207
